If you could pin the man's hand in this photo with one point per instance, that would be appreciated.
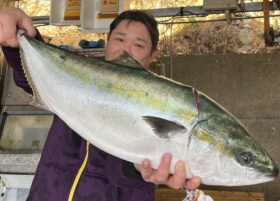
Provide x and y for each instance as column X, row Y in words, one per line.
column 161, row 175
column 12, row 19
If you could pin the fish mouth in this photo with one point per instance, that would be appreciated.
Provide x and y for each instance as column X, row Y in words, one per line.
column 258, row 177
column 274, row 173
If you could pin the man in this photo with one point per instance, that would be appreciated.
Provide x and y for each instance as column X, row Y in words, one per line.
column 64, row 172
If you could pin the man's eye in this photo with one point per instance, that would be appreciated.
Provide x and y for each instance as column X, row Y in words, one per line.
column 139, row 46
column 119, row 39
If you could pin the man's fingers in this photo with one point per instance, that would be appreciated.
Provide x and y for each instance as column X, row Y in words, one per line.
column 162, row 173
column 179, row 178
column 145, row 169
column 193, row 183
column 10, row 20
column 12, row 42
column 8, row 37
column 27, row 25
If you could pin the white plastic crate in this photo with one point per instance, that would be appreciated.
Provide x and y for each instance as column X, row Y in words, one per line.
column 57, row 14
column 93, row 20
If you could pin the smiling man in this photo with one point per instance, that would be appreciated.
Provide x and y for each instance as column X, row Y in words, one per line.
column 134, row 38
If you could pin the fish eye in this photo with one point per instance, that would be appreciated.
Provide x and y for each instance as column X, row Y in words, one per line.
column 245, row 158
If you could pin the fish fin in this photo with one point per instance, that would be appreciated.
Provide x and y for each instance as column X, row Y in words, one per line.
column 36, row 99
column 126, row 60
column 164, row 128
column 34, row 103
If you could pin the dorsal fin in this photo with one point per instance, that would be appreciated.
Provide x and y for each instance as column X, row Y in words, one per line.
column 126, row 60
column 164, row 128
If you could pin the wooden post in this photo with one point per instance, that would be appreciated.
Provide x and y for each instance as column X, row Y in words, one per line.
column 267, row 31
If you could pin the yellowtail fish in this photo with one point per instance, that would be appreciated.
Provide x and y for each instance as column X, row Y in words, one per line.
column 134, row 114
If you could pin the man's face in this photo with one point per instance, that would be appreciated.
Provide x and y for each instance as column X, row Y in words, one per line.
column 132, row 37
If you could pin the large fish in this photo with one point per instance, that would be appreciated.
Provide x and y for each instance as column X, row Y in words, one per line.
column 135, row 114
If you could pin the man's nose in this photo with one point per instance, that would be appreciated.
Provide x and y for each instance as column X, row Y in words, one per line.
column 128, row 48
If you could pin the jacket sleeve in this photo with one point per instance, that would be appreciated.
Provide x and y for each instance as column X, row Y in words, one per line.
column 13, row 58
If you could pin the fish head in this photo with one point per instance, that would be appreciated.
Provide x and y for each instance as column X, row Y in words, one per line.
column 227, row 153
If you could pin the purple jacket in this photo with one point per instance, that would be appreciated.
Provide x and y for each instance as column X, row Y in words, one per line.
column 104, row 178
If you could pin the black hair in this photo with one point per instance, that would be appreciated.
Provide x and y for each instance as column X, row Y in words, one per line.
column 139, row 16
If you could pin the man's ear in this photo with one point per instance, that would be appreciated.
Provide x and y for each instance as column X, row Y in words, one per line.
column 154, row 55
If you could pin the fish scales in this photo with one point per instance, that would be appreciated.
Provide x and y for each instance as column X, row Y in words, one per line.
column 134, row 114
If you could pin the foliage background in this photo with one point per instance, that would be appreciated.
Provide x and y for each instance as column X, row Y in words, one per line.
column 181, row 36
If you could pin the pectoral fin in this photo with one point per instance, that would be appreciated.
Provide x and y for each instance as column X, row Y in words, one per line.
column 164, row 128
